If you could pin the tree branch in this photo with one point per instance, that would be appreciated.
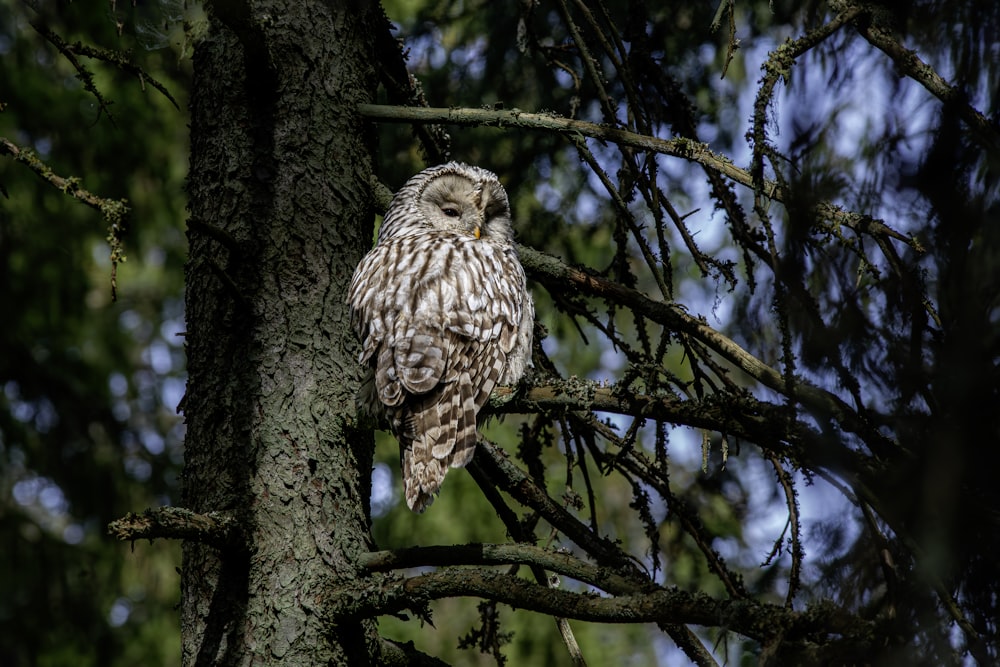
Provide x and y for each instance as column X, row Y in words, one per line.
column 559, row 277
column 512, row 479
column 524, row 535
column 778, row 66
column 216, row 529
column 500, row 554
column 749, row 419
column 70, row 186
column 397, row 654
column 680, row 147
column 910, row 64
column 117, row 58
column 85, row 76
column 114, row 211
column 758, row 621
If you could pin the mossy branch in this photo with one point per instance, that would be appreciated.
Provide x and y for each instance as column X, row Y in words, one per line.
column 683, row 148
column 215, row 528
column 756, row 620
column 120, row 59
column 501, row 554
column 114, row 211
column 559, row 277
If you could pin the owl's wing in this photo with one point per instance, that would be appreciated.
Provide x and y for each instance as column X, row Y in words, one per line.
column 439, row 317
column 425, row 311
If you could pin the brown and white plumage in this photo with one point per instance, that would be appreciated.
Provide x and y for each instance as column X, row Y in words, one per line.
column 443, row 313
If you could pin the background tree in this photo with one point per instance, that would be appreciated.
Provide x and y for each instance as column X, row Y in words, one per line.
column 763, row 404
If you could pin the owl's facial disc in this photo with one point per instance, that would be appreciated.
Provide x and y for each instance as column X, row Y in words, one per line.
column 466, row 205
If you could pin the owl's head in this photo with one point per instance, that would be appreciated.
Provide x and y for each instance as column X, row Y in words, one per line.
column 452, row 197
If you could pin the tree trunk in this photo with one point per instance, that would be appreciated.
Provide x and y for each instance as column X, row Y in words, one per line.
column 280, row 214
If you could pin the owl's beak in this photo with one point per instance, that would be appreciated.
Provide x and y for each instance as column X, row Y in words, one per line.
column 477, row 221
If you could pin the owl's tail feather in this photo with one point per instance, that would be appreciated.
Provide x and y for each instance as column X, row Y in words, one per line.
column 421, row 481
column 439, row 433
column 463, row 418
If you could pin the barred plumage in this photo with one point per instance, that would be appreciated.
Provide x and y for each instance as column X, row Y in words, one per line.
column 443, row 313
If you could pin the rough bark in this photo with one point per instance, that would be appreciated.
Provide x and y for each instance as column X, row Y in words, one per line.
column 279, row 216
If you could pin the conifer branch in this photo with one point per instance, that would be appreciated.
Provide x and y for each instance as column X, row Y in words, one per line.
column 216, row 529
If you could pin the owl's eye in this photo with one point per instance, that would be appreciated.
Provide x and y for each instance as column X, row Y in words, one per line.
column 450, row 211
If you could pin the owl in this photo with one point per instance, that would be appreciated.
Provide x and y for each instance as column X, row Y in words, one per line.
column 443, row 313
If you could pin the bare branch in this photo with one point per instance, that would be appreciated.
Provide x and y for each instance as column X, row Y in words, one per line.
column 70, row 186
column 724, row 415
column 792, row 502
column 123, row 62
column 524, row 534
column 591, row 64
